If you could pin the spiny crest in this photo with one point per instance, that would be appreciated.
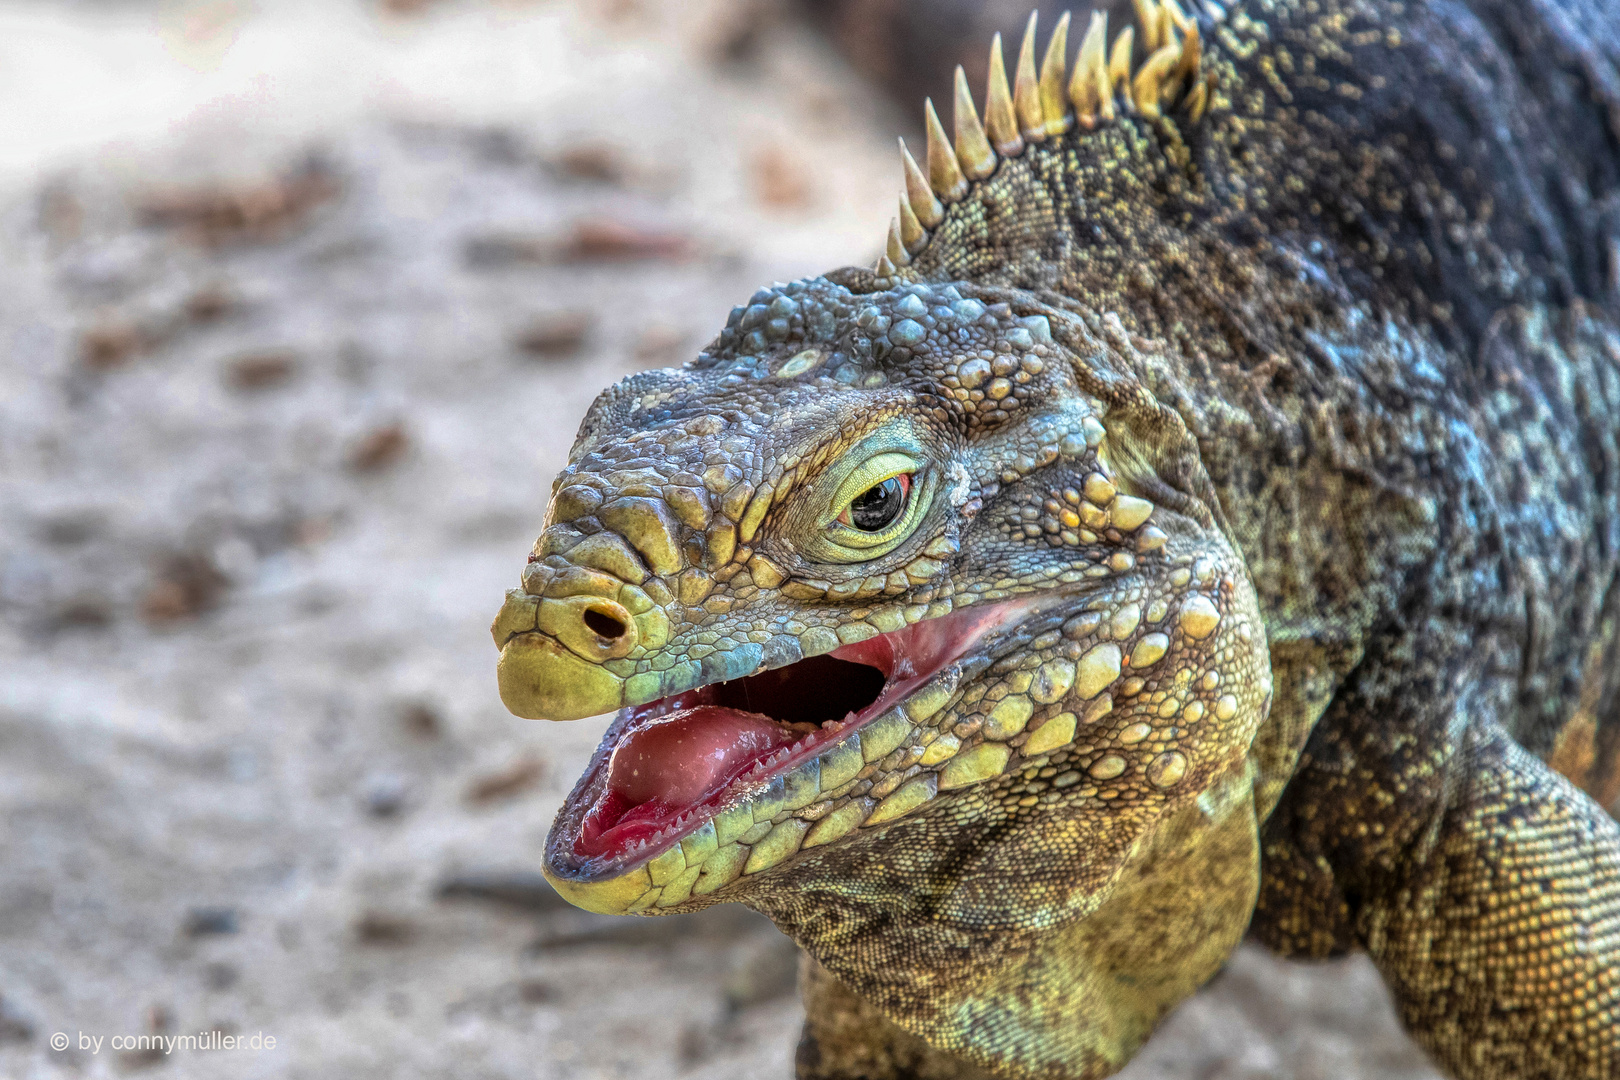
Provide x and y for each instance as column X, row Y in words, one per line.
column 1040, row 105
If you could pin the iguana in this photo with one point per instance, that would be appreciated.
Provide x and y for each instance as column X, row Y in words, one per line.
column 1204, row 518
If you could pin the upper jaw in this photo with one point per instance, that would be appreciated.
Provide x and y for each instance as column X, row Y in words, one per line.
column 887, row 760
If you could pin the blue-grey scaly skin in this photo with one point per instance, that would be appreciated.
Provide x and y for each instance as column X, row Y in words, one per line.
column 1262, row 397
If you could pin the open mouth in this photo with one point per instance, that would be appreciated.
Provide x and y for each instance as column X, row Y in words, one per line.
column 667, row 767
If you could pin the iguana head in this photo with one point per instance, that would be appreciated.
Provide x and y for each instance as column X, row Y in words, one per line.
column 919, row 614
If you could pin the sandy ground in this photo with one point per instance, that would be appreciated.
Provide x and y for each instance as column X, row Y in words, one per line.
column 300, row 304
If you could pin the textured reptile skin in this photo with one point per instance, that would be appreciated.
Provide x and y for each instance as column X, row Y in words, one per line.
column 1268, row 379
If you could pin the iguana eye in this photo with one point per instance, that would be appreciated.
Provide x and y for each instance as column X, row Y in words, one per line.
column 876, row 508
column 876, row 505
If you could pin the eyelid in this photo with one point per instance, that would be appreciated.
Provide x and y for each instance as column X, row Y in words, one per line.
column 826, row 539
column 873, row 471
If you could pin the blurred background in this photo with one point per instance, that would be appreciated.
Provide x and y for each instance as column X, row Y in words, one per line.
column 300, row 303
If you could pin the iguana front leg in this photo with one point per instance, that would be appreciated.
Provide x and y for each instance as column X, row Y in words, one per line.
column 1483, row 884
column 1503, row 945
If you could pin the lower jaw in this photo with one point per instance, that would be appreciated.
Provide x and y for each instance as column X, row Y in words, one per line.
column 762, row 824
column 816, row 795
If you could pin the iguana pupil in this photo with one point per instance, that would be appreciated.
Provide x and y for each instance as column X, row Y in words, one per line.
column 876, row 508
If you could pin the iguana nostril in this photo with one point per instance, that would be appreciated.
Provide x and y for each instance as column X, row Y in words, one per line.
column 604, row 625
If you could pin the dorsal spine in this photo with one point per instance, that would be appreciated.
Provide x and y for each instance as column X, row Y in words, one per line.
column 1042, row 105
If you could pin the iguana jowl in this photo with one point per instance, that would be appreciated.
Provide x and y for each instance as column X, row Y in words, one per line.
column 1204, row 518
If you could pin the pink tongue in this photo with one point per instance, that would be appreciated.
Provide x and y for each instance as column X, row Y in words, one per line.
column 679, row 758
